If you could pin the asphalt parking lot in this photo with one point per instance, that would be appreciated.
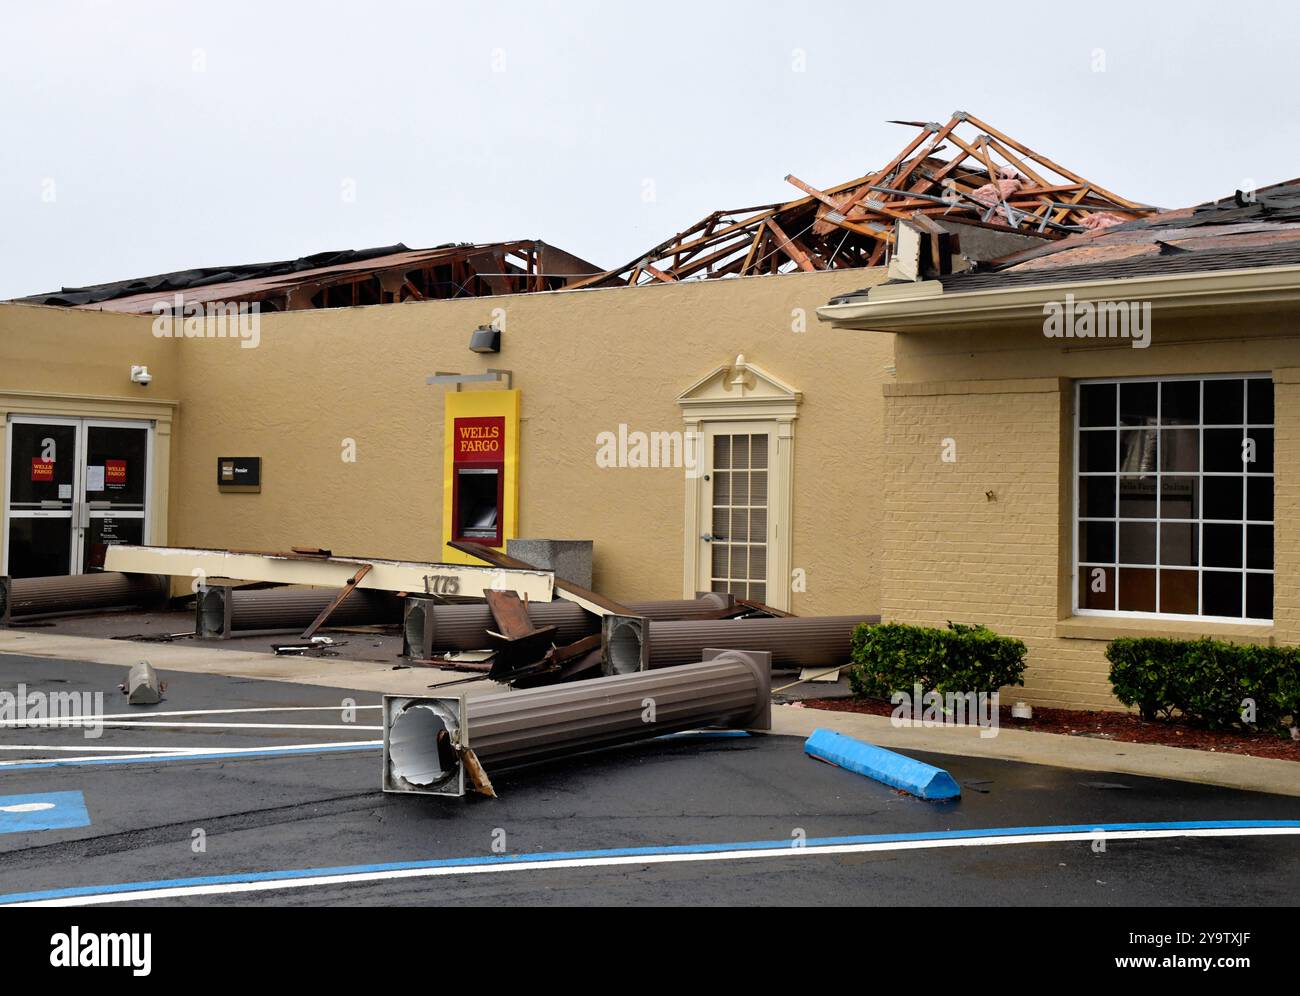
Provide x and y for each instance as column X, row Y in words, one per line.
column 292, row 809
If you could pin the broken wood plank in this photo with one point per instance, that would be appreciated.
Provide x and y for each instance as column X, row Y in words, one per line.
column 344, row 592
column 791, row 247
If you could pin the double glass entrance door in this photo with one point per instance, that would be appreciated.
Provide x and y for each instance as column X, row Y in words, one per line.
column 73, row 488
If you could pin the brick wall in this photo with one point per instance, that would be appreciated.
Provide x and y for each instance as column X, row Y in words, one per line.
column 953, row 551
column 1286, row 506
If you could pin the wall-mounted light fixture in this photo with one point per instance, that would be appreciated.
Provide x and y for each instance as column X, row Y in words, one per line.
column 141, row 375
column 485, row 339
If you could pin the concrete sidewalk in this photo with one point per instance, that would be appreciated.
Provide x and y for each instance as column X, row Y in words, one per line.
column 1229, row 770
column 334, row 672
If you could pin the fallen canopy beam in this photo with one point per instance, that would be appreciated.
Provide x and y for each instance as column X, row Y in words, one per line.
column 330, row 571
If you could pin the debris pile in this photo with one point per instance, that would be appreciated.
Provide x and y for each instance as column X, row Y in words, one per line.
column 586, row 671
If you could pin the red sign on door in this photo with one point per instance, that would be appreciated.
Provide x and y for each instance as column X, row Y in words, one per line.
column 480, row 440
column 115, row 473
column 42, row 469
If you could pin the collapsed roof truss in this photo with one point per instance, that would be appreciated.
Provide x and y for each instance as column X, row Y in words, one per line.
column 331, row 280
column 987, row 177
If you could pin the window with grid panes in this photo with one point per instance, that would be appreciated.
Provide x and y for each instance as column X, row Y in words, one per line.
column 1174, row 497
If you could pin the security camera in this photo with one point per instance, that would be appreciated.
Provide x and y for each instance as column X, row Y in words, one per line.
column 141, row 375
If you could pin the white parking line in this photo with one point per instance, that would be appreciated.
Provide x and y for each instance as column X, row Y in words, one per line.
column 123, row 750
column 223, row 712
column 455, row 867
column 152, row 754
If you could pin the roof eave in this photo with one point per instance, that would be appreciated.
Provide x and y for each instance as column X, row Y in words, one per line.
column 927, row 308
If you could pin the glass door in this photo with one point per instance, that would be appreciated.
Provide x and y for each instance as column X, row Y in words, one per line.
column 73, row 488
column 735, row 496
column 116, row 475
column 40, row 491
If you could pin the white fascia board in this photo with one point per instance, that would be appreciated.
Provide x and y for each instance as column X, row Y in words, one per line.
column 925, row 306
column 330, row 572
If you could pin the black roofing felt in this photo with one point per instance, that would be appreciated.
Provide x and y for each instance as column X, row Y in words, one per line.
column 1279, row 203
column 180, row 280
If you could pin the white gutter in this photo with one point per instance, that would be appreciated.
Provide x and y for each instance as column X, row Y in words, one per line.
column 925, row 307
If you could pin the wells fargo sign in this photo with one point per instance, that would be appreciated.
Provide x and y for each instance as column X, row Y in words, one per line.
column 480, row 469
column 480, row 440
column 42, row 469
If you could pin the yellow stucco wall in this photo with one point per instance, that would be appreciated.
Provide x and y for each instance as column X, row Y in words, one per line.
column 952, row 553
column 56, row 361
column 62, row 351
column 584, row 361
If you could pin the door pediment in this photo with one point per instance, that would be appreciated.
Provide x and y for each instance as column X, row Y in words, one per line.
column 739, row 390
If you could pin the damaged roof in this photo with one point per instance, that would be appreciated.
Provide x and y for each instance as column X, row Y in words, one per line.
column 1245, row 231
column 340, row 279
column 961, row 171
column 986, row 178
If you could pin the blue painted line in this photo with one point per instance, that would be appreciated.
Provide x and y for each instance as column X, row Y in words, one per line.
column 173, row 758
column 42, row 811
column 753, row 845
column 924, row 781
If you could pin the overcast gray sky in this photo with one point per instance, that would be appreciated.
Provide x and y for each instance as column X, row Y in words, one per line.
column 137, row 138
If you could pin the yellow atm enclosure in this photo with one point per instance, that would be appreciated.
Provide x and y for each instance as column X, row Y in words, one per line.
column 480, row 486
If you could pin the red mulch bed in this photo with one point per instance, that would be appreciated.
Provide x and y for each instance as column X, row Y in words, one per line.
column 1119, row 726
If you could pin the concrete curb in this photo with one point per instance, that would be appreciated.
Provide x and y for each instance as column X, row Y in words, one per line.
column 922, row 780
column 1254, row 774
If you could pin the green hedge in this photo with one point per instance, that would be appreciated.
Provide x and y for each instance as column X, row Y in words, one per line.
column 894, row 657
column 1206, row 682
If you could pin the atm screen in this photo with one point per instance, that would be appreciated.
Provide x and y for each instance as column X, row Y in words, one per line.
column 477, row 509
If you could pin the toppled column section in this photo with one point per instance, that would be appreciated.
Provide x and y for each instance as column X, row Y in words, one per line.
column 634, row 643
column 33, row 598
column 441, row 745
column 431, row 628
column 221, row 612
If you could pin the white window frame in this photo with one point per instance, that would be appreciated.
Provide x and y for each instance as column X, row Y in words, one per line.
column 1200, row 475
